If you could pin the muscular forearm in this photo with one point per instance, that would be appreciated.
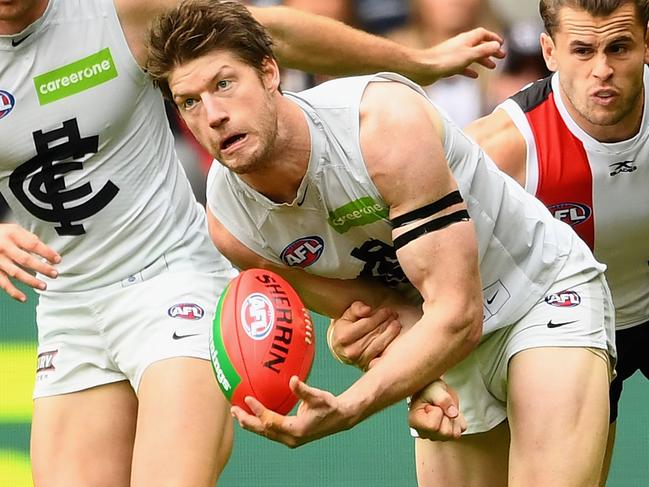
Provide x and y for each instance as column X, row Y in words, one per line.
column 418, row 356
column 319, row 44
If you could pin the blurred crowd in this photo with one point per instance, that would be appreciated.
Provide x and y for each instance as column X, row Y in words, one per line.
column 416, row 23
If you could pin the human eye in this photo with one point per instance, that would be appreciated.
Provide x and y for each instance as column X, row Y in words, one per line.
column 187, row 103
column 581, row 51
column 223, row 84
column 618, row 49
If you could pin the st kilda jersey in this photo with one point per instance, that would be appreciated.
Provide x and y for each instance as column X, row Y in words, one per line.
column 338, row 224
column 600, row 189
column 87, row 160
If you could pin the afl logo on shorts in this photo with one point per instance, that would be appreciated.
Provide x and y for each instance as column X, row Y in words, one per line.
column 7, row 103
column 303, row 252
column 186, row 311
column 564, row 299
column 570, row 213
column 257, row 316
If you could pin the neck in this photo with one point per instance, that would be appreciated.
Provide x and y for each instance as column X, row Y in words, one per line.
column 14, row 19
column 288, row 159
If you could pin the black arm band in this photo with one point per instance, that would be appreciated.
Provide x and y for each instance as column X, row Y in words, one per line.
column 428, row 210
column 430, row 226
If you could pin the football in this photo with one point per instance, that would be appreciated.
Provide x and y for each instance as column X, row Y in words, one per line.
column 261, row 336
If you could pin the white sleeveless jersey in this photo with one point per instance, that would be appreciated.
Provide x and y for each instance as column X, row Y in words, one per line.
column 338, row 225
column 87, row 160
column 601, row 189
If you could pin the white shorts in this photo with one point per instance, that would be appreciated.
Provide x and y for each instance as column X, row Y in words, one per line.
column 574, row 313
column 114, row 333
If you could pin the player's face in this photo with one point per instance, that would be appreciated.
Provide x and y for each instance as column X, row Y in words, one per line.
column 601, row 63
column 229, row 107
column 15, row 15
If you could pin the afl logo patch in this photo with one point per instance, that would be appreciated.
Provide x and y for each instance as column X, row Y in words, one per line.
column 257, row 316
column 303, row 252
column 186, row 311
column 571, row 213
column 7, row 103
column 564, row 299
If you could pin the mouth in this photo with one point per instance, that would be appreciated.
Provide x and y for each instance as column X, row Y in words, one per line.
column 231, row 143
column 604, row 96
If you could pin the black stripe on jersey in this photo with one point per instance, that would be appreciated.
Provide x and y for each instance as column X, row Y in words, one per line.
column 535, row 94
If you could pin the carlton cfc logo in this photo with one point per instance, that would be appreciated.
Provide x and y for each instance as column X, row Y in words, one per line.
column 7, row 102
column 303, row 252
column 186, row 311
column 564, row 299
column 257, row 316
column 571, row 213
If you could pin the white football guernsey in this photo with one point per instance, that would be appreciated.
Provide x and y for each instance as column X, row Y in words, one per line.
column 600, row 189
column 87, row 160
column 338, row 225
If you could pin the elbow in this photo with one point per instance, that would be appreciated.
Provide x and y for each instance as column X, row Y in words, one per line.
column 466, row 330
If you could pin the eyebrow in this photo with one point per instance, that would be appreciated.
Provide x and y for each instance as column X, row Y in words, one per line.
column 218, row 74
column 622, row 38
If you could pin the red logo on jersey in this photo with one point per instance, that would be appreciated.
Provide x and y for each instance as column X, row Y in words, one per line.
column 571, row 213
column 303, row 252
column 7, row 102
column 186, row 311
column 564, row 299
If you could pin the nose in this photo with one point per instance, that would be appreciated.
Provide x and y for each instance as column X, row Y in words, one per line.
column 602, row 69
column 216, row 112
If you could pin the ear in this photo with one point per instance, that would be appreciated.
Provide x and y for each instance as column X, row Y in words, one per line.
column 549, row 52
column 270, row 74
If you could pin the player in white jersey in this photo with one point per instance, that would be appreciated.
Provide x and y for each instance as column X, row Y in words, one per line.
column 361, row 189
column 126, row 275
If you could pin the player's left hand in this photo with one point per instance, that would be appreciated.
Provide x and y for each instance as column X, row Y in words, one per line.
column 457, row 54
column 319, row 414
column 434, row 413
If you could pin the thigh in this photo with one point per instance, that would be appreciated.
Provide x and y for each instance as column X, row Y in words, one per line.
column 84, row 438
column 478, row 460
column 558, row 415
column 184, row 427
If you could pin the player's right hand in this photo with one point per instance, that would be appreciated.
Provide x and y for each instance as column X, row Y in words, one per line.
column 362, row 334
column 22, row 252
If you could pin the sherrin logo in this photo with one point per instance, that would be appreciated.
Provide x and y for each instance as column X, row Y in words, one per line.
column 257, row 316
column 186, row 311
column 7, row 103
column 564, row 299
column 303, row 252
column 571, row 213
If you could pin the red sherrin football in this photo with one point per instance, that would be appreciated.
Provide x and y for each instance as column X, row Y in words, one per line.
column 261, row 336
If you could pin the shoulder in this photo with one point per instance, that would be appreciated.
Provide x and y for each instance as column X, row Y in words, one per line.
column 396, row 113
column 502, row 141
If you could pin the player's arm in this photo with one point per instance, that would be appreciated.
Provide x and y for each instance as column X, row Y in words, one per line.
column 501, row 140
column 401, row 142
column 21, row 253
column 499, row 137
column 320, row 44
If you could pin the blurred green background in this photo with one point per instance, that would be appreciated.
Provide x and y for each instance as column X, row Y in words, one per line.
column 378, row 452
